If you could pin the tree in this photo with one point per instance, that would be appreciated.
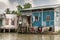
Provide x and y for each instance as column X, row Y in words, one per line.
column 18, row 13
column 7, row 11
column 14, row 12
column 19, row 7
column 27, row 5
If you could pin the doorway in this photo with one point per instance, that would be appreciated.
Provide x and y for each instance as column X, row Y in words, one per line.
column 28, row 20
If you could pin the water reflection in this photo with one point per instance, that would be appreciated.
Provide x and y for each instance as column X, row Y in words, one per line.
column 15, row 36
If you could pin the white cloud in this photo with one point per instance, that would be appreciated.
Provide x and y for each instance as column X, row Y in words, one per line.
column 42, row 2
column 45, row 2
column 3, row 5
column 29, row 1
column 13, row 6
column 7, row 3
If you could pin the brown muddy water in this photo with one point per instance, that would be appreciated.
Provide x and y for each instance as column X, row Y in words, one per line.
column 16, row 36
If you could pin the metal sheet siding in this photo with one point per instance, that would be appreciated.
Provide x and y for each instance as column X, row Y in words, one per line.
column 51, row 14
column 45, row 14
column 39, row 22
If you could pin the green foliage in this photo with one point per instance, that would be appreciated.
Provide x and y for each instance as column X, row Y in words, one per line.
column 19, row 7
column 16, row 12
column 13, row 12
column 19, row 14
column 27, row 5
column 7, row 11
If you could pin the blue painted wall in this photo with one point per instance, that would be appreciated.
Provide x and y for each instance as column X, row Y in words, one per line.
column 51, row 21
column 39, row 22
column 45, row 13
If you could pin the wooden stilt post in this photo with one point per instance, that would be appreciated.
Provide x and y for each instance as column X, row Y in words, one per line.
column 9, row 30
column 27, row 29
column 4, row 30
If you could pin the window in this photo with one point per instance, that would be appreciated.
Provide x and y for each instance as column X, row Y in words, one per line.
column 7, row 21
column 47, row 18
column 12, row 21
column 36, row 18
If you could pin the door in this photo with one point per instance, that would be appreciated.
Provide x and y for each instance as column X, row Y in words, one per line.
column 28, row 20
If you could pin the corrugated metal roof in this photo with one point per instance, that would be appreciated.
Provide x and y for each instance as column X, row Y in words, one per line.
column 42, row 7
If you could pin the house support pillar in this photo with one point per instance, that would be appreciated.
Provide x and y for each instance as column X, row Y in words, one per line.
column 9, row 30
column 4, row 30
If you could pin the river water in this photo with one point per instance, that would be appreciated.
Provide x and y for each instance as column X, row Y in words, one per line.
column 16, row 36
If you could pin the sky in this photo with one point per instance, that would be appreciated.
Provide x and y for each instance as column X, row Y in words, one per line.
column 13, row 3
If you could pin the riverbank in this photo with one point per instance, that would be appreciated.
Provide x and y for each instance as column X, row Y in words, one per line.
column 18, row 36
column 45, row 33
